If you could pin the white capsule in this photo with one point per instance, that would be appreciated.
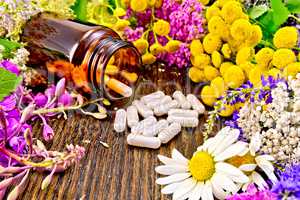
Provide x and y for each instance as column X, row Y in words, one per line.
column 143, row 125
column 132, row 116
column 150, row 97
column 183, row 113
column 143, row 141
column 157, row 102
column 142, row 109
column 164, row 108
column 196, row 104
column 156, row 128
column 184, row 121
column 169, row 133
column 120, row 121
column 183, row 102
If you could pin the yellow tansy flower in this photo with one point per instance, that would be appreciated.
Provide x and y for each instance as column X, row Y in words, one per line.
column 138, row 5
column 255, row 76
column 219, row 86
column 148, row 58
column 196, row 75
column 234, row 77
column 255, row 36
column 264, row 56
column 244, row 55
column 286, row 37
column 231, row 11
column 216, row 25
column 211, row 43
column 240, row 29
column 291, row 70
column 212, row 11
column 274, row 72
column 210, row 72
column 216, row 59
column 227, row 110
column 204, row 2
column 141, row 44
column 226, row 51
column 224, row 66
column 156, row 49
column 283, row 57
column 200, row 60
column 247, row 67
column 172, row 46
column 196, row 47
column 208, row 95
column 161, row 27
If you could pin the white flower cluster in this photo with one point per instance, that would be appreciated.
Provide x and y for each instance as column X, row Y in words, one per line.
column 20, row 58
column 278, row 122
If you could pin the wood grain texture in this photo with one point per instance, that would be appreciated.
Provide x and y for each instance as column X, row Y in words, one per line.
column 120, row 172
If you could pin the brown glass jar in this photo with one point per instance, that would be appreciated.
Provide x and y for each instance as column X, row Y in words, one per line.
column 50, row 38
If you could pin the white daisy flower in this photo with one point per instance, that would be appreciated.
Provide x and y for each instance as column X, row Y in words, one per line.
column 249, row 162
column 206, row 175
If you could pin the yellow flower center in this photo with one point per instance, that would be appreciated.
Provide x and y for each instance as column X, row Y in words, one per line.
column 202, row 166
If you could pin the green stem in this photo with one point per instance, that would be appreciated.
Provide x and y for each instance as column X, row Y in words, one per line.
column 267, row 44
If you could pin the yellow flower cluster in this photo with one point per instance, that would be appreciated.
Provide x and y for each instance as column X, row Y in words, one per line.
column 226, row 56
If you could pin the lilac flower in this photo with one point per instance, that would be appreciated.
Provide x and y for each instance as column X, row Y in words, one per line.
column 180, row 58
column 133, row 34
column 252, row 193
column 289, row 183
column 10, row 67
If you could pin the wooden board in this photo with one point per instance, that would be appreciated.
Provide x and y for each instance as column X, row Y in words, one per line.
column 120, row 172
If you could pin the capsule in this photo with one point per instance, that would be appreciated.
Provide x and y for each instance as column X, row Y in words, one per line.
column 143, row 125
column 156, row 128
column 196, row 104
column 169, row 133
column 157, row 102
column 183, row 102
column 132, row 116
column 120, row 121
column 184, row 121
column 143, row 141
column 142, row 109
column 118, row 87
column 150, row 97
column 164, row 108
column 183, row 113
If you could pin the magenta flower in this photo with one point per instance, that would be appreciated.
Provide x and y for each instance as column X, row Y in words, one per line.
column 10, row 67
column 253, row 193
column 65, row 100
column 40, row 100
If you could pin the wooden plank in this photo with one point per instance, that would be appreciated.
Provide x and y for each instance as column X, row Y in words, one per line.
column 118, row 172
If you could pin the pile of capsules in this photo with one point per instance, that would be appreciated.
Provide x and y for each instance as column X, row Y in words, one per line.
column 181, row 111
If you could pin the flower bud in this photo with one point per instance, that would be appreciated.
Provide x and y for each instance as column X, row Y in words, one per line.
column 27, row 113
column 60, row 87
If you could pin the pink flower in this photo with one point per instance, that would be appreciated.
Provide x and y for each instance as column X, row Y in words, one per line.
column 252, row 193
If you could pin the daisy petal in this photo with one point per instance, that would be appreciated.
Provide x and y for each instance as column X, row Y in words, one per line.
column 207, row 143
column 255, row 143
column 232, row 171
column 225, row 182
column 184, row 187
column 263, row 162
column 267, row 157
column 230, row 138
column 231, row 151
column 169, row 189
column 243, row 152
column 176, row 155
column 196, row 192
column 245, row 186
column 247, row 167
column 269, row 173
column 170, row 161
column 259, row 181
column 172, row 178
column 171, row 169
column 217, row 140
column 217, row 189
column 207, row 193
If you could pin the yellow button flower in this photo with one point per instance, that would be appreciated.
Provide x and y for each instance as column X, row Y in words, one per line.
column 216, row 25
column 244, row 55
column 291, row 70
column 247, row 67
column 121, row 24
column 200, row 60
column 227, row 110
column 240, row 29
column 234, row 77
column 255, row 36
column 212, row 11
column 161, row 27
column 210, row 72
column 196, row 75
column 264, row 56
column 138, row 5
column 151, row 3
column 283, row 57
column 211, row 43
column 119, row 12
column 208, row 95
column 156, row 49
column 224, row 67
column 286, row 37
column 148, row 59
column 231, row 11
column 219, row 86
column 141, row 44
column 274, row 72
column 255, row 76
column 204, row 2
column 226, row 51
column 172, row 46
column 217, row 59
column 196, row 47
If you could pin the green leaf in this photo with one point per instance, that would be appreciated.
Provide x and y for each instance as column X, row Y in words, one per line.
column 8, row 82
column 281, row 13
column 257, row 11
column 293, row 6
column 80, row 9
column 9, row 47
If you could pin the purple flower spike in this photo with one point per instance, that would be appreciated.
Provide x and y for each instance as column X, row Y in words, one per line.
column 10, row 67
column 40, row 100
column 253, row 194
column 8, row 103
